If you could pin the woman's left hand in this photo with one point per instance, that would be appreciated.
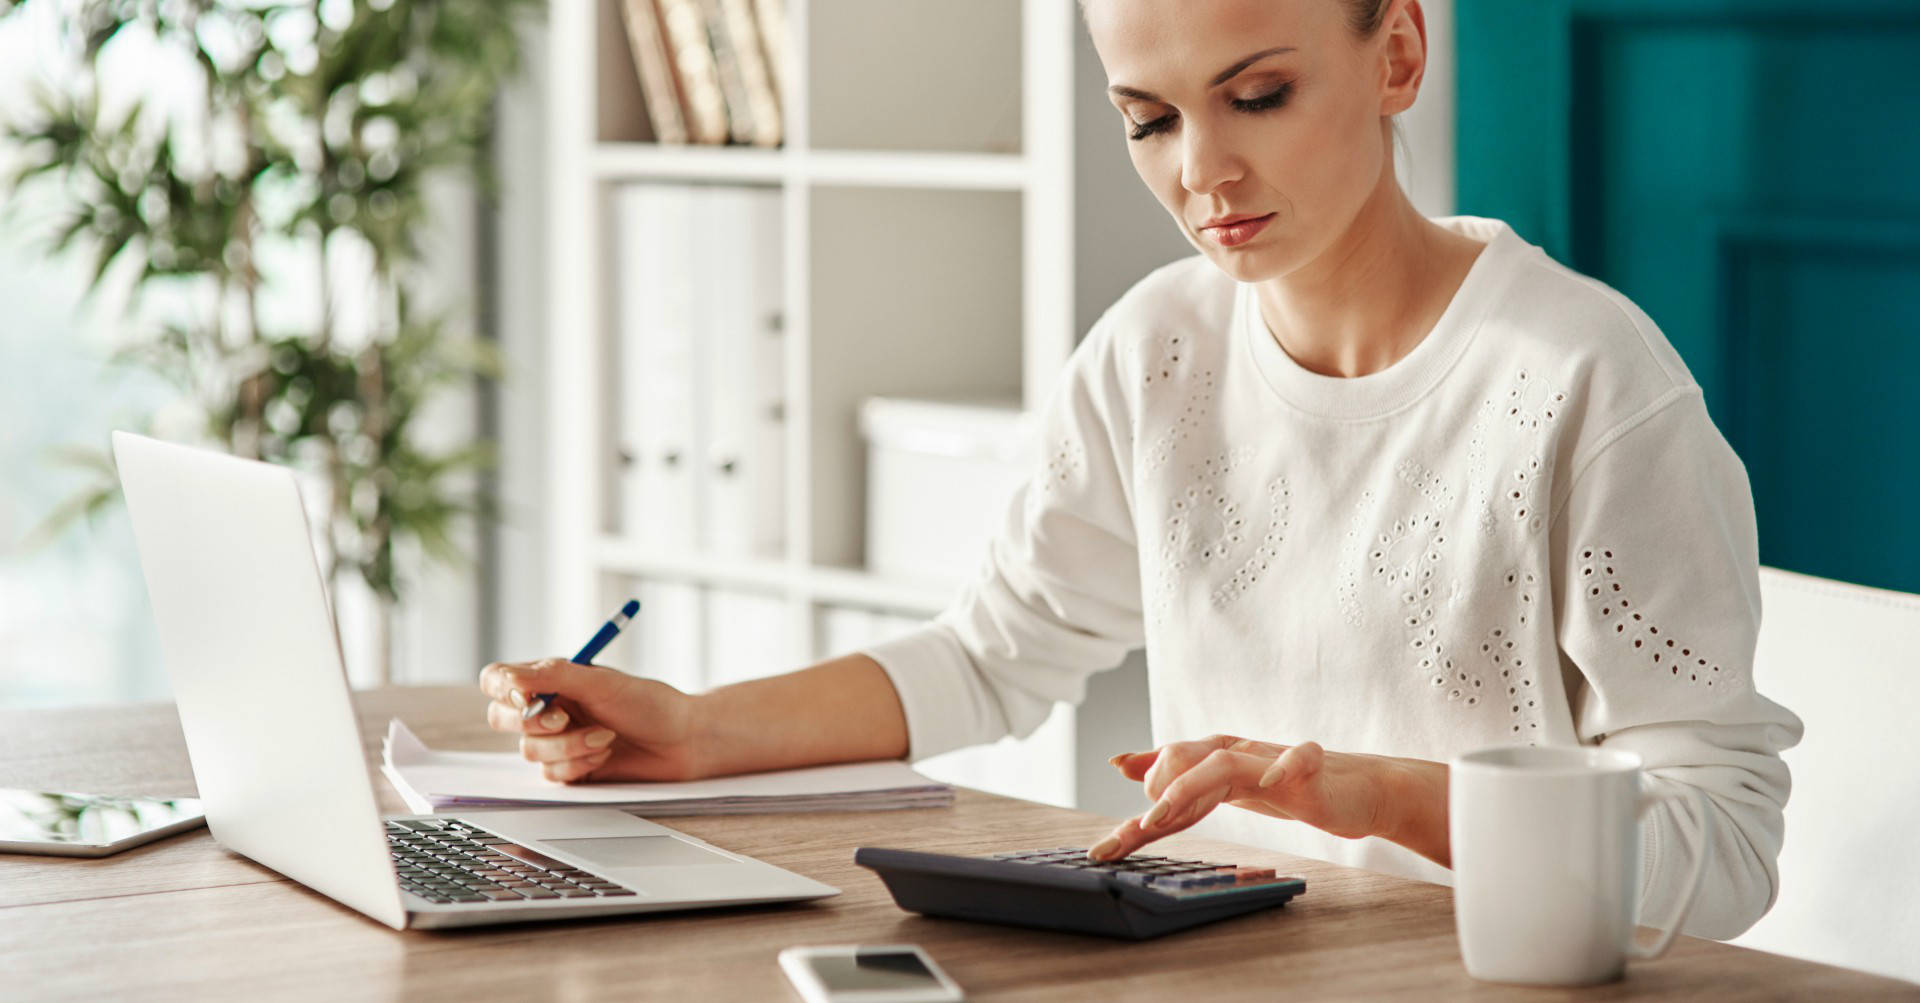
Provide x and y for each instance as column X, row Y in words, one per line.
column 1346, row 794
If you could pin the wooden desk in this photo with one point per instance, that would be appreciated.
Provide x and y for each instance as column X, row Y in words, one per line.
column 184, row 917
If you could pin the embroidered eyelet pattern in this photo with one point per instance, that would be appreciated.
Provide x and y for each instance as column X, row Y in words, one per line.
column 1066, row 461
column 1207, row 527
column 1477, row 472
column 1439, row 498
column 1500, row 652
column 1621, row 618
column 1407, row 553
column 1405, row 558
column 1172, row 364
column 1351, row 609
column 1279, row 505
column 1533, row 404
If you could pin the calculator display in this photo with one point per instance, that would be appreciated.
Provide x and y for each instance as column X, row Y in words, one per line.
column 872, row 970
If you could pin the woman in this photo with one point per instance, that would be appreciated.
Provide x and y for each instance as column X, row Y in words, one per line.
column 1354, row 477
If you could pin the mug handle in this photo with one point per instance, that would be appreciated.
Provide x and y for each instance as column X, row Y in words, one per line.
column 1703, row 834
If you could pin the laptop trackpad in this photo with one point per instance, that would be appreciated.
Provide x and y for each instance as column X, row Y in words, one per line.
column 638, row 851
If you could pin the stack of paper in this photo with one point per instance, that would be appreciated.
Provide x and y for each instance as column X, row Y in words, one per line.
column 431, row 781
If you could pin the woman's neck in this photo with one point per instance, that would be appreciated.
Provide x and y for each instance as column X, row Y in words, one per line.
column 1365, row 302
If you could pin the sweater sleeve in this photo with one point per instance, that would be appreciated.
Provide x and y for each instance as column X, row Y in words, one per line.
column 1658, row 606
column 1057, row 597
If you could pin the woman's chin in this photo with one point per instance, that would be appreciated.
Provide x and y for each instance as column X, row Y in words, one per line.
column 1244, row 264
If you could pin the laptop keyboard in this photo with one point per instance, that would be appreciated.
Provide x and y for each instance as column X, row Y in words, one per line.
column 447, row 861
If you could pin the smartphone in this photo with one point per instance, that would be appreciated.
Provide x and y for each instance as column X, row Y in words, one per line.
column 89, row 825
column 885, row 973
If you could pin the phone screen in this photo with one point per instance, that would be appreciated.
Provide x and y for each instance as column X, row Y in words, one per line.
column 872, row 970
column 54, row 817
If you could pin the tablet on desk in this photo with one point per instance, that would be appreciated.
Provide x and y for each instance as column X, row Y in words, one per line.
column 89, row 825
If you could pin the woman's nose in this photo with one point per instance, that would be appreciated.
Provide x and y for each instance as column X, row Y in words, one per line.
column 1206, row 162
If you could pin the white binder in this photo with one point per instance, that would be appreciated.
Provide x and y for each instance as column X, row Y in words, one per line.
column 657, row 306
column 744, row 420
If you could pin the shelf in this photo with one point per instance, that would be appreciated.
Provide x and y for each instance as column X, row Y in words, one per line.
column 853, row 587
column 622, row 557
column 850, row 168
column 651, row 161
column 965, row 171
column 819, row 584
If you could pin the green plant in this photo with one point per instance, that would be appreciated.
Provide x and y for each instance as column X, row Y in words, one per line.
column 317, row 128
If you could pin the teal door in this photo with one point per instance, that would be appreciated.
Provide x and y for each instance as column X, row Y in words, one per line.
column 1748, row 171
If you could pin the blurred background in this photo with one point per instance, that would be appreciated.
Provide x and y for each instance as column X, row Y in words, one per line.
column 739, row 306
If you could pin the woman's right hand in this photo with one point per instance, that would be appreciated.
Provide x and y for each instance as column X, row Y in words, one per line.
column 602, row 724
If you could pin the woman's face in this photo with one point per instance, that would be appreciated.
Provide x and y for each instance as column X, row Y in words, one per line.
column 1269, row 109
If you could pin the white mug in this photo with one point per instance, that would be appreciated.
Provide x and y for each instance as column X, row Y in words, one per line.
column 1546, row 862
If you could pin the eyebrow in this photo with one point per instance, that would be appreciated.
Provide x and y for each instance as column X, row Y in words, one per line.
column 1225, row 75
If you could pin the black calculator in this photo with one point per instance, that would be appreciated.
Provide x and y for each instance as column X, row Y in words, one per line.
column 1060, row 889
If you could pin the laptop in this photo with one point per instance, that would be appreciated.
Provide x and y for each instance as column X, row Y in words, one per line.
column 250, row 646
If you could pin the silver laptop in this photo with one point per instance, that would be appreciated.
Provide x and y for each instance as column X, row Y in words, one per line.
column 277, row 753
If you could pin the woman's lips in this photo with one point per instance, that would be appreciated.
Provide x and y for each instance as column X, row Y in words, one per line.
column 1237, row 233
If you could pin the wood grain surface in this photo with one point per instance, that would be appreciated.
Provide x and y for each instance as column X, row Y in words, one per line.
column 183, row 918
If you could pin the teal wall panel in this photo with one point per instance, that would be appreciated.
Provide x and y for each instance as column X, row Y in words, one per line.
column 1745, row 171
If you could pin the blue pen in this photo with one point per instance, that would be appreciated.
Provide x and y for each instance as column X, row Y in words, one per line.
column 608, row 631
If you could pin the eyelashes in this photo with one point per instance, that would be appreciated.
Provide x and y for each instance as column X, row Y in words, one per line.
column 1265, row 102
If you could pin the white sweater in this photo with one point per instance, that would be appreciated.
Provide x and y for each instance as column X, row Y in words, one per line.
column 1525, row 531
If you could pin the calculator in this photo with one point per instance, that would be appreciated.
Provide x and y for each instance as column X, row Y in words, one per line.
column 1135, row 897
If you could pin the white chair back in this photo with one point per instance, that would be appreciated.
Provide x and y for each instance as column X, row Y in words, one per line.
column 1847, row 660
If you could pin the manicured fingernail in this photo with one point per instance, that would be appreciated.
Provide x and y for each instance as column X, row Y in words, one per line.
column 1156, row 815
column 1115, row 760
column 518, row 699
column 1274, row 775
column 599, row 739
column 1104, row 848
column 553, row 719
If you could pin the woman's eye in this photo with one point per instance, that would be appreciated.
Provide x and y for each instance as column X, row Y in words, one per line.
column 1264, row 102
column 1142, row 130
column 1271, row 99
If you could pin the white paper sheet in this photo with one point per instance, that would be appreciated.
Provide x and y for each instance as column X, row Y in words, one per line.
column 430, row 780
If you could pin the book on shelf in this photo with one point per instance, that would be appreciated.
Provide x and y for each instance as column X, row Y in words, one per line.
column 753, row 107
column 711, row 71
column 771, row 17
column 684, row 25
column 654, row 64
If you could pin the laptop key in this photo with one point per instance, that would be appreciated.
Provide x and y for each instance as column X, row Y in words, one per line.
column 539, row 893
column 609, row 892
column 575, row 893
column 500, row 894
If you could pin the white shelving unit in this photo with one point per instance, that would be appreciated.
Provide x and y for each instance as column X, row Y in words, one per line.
column 938, row 240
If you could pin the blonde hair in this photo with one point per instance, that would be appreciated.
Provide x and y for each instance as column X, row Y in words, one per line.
column 1363, row 16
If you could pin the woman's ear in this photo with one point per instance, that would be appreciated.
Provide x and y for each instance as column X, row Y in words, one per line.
column 1403, row 55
